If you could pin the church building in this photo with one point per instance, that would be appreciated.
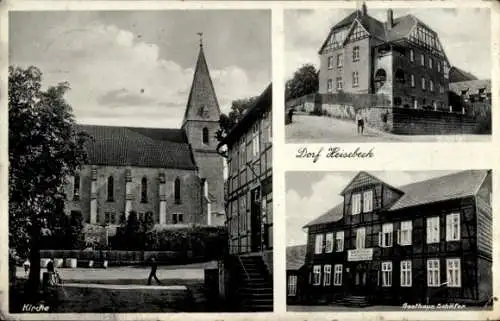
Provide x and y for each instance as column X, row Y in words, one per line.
column 173, row 174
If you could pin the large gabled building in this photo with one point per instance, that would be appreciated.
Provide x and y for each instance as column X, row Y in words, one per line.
column 401, row 58
column 426, row 242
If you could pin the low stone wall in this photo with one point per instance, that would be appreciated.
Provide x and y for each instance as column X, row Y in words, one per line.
column 379, row 117
column 339, row 111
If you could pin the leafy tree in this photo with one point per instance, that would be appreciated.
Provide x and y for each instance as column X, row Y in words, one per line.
column 75, row 230
column 238, row 109
column 304, row 81
column 44, row 149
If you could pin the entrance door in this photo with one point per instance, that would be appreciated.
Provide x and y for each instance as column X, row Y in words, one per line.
column 256, row 220
column 360, row 275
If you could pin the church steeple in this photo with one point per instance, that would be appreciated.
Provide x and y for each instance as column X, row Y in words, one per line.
column 202, row 104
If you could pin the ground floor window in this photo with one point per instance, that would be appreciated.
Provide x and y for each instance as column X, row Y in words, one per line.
column 386, row 274
column 453, row 273
column 405, row 273
column 433, row 273
column 292, row 285
column 317, row 275
column 337, row 275
column 327, row 274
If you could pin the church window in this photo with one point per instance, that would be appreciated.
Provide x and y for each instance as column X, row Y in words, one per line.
column 76, row 187
column 205, row 136
column 144, row 190
column 177, row 190
column 111, row 189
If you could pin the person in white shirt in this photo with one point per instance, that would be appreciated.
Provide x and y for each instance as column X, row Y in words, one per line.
column 360, row 122
column 26, row 265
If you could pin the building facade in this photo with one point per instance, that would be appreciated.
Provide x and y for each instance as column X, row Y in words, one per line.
column 249, row 207
column 401, row 59
column 175, row 175
column 426, row 242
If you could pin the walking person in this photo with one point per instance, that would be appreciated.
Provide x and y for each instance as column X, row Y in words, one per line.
column 26, row 265
column 290, row 115
column 360, row 122
column 152, row 274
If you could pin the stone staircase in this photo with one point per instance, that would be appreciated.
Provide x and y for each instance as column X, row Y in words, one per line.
column 256, row 290
column 356, row 301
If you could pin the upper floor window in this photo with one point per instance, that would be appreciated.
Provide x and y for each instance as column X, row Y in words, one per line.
column 412, row 80
column 423, row 83
column 76, row 187
column 337, row 274
column 432, row 230
column 205, row 136
column 386, row 274
column 441, row 89
column 406, row 273
column 453, row 227
column 340, row 60
column 355, row 79
column 255, row 140
column 360, row 238
column 339, row 241
column 367, row 201
column 422, row 60
column 339, row 83
column 330, row 62
column 111, row 189
column 292, row 285
column 356, row 204
column 412, row 55
column 400, row 76
column 453, row 273
column 414, row 102
column 329, row 243
column 433, row 279
column 430, row 62
column 386, row 238
column 355, row 54
column 318, row 246
column 327, row 274
column 438, row 66
column 405, row 232
column 317, row 275
column 144, row 190
column 431, row 85
column 329, row 85
column 177, row 190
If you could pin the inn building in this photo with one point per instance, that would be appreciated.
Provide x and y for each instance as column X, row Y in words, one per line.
column 401, row 58
column 249, row 207
column 426, row 242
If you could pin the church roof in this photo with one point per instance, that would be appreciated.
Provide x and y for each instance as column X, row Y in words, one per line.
column 202, row 102
column 140, row 147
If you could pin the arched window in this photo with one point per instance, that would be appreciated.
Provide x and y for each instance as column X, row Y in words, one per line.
column 76, row 188
column 380, row 77
column 111, row 189
column 177, row 191
column 205, row 136
column 144, row 190
column 400, row 76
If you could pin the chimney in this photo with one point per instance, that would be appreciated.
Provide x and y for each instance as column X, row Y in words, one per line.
column 390, row 21
column 363, row 9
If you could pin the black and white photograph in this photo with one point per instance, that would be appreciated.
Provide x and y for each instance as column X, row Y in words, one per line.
column 387, row 74
column 140, row 161
column 389, row 241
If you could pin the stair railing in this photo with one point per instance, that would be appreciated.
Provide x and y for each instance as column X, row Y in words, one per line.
column 244, row 269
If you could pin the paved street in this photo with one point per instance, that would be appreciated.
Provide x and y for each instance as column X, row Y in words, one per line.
column 320, row 129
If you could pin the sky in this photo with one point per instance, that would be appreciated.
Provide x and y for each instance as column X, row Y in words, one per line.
column 310, row 194
column 135, row 68
column 465, row 34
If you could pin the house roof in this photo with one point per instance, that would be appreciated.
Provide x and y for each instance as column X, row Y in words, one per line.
column 262, row 104
column 295, row 256
column 472, row 86
column 457, row 75
column 363, row 179
column 452, row 186
column 141, row 147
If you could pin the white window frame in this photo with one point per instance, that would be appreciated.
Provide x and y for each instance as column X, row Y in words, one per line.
column 406, row 273
column 318, row 244
column 329, row 243
column 355, row 79
column 439, row 66
column 452, row 230
column 339, row 236
column 339, row 83
column 431, row 85
column 255, row 140
column 337, row 274
column 360, row 238
column 327, row 274
column 412, row 80
column 433, row 273
column 432, row 230
column 340, row 60
column 386, row 274
column 412, row 55
column 368, row 205
column 316, row 275
column 329, row 85
column 356, row 204
column 292, row 285
column 355, row 54
column 422, row 59
column 453, row 273
column 330, row 62
column 430, row 60
column 405, row 238
column 387, row 234
column 423, row 83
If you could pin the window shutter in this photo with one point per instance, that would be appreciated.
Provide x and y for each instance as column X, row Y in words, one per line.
column 398, row 237
column 380, row 239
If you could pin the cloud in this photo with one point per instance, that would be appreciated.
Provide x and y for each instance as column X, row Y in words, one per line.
column 108, row 67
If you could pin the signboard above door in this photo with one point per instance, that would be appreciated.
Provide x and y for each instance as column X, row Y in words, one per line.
column 360, row 255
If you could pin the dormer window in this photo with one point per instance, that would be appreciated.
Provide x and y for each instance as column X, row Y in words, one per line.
column 367, row 201
column 356, row 204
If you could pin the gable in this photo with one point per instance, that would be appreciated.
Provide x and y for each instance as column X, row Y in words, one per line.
column 356, row 33
column 363, row 179
column 335, row 39
column 426, row 38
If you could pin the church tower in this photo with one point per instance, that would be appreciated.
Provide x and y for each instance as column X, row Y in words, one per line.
column 201, row 121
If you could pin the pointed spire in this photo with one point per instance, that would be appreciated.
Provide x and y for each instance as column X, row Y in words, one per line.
column 202, row 102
